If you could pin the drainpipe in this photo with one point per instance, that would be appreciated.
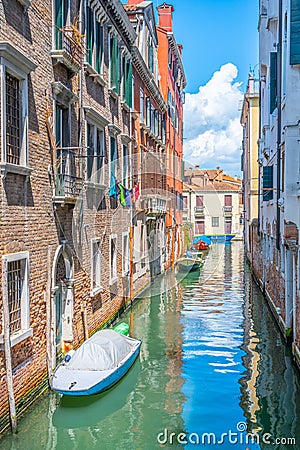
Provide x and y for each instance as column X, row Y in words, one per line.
column 279, row 77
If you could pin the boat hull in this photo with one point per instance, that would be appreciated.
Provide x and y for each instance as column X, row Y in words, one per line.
column 208, row 238
column 192, row 268
column 112, row 377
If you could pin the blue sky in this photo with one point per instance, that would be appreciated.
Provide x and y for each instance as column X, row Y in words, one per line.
column 213, row 33
column 220, row 42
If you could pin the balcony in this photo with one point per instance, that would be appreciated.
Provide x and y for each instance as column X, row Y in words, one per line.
column 67, row 188
column 199, row 211
column 70, row 48
column 67, row 183
column 227, row 211
column 155, row 206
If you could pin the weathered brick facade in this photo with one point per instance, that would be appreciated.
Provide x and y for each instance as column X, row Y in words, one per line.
column 51, row 208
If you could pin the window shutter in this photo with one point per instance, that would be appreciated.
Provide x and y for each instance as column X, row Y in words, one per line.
column 129, row 84
column 90, row 151
column 61, row 11
column 273, row 81
column 99, row 46
column 90, row 35
column 267, row 183
column 295, row 32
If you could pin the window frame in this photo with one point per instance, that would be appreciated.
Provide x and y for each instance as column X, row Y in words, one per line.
column 95, row 288
column 125, row 254
column 215, row 220
column 25, row 330
column 113, row 264
column 18, row 66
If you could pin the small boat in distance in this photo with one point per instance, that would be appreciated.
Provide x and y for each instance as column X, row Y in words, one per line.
column 99, row 363
column 189, row 263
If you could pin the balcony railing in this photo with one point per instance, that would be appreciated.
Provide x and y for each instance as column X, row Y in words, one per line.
column 67, row 183
column 199, row 210
column 227, row 210
column 155, row 206
column 69, row 48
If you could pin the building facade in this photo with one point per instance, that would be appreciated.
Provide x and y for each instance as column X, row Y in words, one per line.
column 249, row 166
column 275, row 236
column 75, row 236
column 172, row 84
column 212, row 202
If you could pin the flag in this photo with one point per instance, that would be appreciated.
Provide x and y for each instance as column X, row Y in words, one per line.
column 114, row 190
column 136, row 191
column 128, row 198
column 122, row 194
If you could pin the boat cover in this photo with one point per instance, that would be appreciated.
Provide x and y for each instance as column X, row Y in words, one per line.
column 103, row 351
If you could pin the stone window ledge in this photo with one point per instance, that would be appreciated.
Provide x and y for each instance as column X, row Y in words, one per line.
column 96, row 291
column 92, row 185
column 91, row 72
column 14, row 168
column 18, row 337
column 113, row 280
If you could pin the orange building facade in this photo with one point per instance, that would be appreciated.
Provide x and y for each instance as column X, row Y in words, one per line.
column 172, row 84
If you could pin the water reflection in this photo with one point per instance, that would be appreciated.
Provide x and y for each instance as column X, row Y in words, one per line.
column 211, row 357
column 270, row 388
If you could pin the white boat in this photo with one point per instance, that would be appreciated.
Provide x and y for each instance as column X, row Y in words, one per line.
column 100, row 362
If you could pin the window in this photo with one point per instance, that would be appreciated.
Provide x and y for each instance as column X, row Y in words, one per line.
column 114, row 64
column 61, row 17
column 141, row 105
column 273, row 81
column 215, row 221
column 16, row 271
column 94, row 41
column 199, row 200
column 227, row 200
column 113, row 259
column 113, row 161
column 148, row 112
column 199, row 227
column 15, row 68
column 13, row 116
column 125, row 163
column 96, row 266
column 125, row 253
column 95, row 154
column 126, row 81
column 150, row 57
column 185, row 202
column 294, row 32
column 267, row 183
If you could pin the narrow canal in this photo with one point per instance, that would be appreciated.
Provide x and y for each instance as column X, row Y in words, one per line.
column 213, row 367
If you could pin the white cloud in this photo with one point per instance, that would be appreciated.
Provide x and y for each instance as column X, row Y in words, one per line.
column 212, row 122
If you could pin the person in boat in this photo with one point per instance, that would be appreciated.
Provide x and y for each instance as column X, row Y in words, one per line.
column 189, row 254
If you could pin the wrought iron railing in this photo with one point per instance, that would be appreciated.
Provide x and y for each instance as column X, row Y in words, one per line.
column 67, row 186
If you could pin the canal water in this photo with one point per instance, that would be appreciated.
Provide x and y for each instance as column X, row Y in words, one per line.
column 213, row 368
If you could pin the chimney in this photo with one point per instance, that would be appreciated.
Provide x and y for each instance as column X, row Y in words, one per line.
column 180, row 47
column 165, row 12
column 134, row 2
column 250, row 83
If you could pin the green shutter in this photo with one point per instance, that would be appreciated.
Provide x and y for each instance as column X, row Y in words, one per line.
column 267, row 183
column 273, row 81
column 295, row 32
column 129, row 84
column 90, row 151
column 114, row 64
column 89, row 35
column 150, row 57
column 99, row 46
column 61, row 12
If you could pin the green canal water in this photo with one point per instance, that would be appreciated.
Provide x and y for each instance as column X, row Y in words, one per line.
column 213, row 367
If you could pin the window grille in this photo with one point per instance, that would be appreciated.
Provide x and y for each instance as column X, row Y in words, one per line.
column 15, row 281
column 12, row 119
